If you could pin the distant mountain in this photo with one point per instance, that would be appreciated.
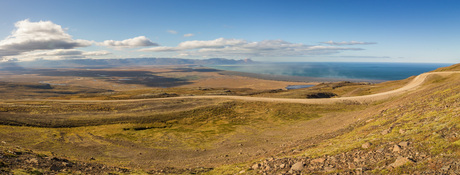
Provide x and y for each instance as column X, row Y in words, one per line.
column 106, row 63
column 11, row 66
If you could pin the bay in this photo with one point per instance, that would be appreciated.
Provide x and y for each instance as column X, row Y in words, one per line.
column 339, row 70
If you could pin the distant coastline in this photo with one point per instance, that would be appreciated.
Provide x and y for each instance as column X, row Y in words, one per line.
column 295, row 78
column 329, row 71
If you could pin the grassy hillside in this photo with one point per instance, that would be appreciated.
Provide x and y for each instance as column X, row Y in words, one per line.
column 455, row 67
column 130, row 134
column 415, row 133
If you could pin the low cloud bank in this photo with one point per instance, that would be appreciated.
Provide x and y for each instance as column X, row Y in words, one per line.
column 348, row 43
column 222, row 47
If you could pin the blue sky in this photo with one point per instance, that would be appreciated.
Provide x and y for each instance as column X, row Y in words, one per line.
column 319, row 30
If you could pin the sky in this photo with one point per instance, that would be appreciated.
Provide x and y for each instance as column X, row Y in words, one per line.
column 262, row 30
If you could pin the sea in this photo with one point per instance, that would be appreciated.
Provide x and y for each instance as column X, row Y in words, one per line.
column 339, row 70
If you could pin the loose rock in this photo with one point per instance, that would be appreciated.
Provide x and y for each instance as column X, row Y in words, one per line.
column 403, row 144
column 297, row 166
column 400, row 161
column 318, row 160
column 32, row 160
column 282, row 166
column 255, row 166
column 366, row 145
column 396, row 148
column 386, row 131
column 402, row 131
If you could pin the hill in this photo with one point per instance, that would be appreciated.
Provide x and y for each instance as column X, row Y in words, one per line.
column 175, row 131
column 416, row 133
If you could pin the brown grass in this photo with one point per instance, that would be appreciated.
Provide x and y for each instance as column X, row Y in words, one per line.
column 185, row 133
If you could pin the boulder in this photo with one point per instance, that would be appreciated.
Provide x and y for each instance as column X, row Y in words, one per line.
column 400, row 161
column 396, row 148
column 298, row 166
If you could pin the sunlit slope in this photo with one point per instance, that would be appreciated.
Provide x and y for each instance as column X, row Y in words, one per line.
column 455, row 67
column 232, row 134
column 415, row 133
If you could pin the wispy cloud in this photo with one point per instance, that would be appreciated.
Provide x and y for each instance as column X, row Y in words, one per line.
column 42, row 35
column 351, row 56
column 60, row 54
column 189, row 35
column 197, row 44
column 348, row 43
column 219, row 42
column 139, row 41
column 240, row 47
column 97, row 53
column 172, row 32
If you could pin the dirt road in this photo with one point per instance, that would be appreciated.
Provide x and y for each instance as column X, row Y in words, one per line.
column 416, row 82
column 254, row 143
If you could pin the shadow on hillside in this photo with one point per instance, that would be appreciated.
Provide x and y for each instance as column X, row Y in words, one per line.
column 122, row 77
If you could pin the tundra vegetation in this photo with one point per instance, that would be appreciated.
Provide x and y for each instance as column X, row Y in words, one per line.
column 92, row 124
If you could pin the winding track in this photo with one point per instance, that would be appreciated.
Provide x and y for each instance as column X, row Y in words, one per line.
column 415, row 83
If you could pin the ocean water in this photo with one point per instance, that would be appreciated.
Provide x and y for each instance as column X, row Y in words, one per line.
column 370, row 71
column 298, row 86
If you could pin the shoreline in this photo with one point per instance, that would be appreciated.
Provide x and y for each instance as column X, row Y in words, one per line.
column 294, row 78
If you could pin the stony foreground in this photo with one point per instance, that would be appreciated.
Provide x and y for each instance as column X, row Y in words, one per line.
column 14, row 161
column 390, row 158
column 20, row 161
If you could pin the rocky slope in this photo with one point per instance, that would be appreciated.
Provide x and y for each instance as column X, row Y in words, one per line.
column 19, row 161
column 370, row 159
column 417, row 133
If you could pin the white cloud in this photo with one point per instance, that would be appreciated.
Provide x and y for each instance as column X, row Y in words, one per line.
column 46, row 40
column 348, row 43
column 42, row 35
column 189, row 35
column 161, row 49
column 59, row 54
column 238, row 47
column 97, row 53
column 139, row 41
column 219, row 42
column 196, row 44
column 353, row 56
column 172, row 32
